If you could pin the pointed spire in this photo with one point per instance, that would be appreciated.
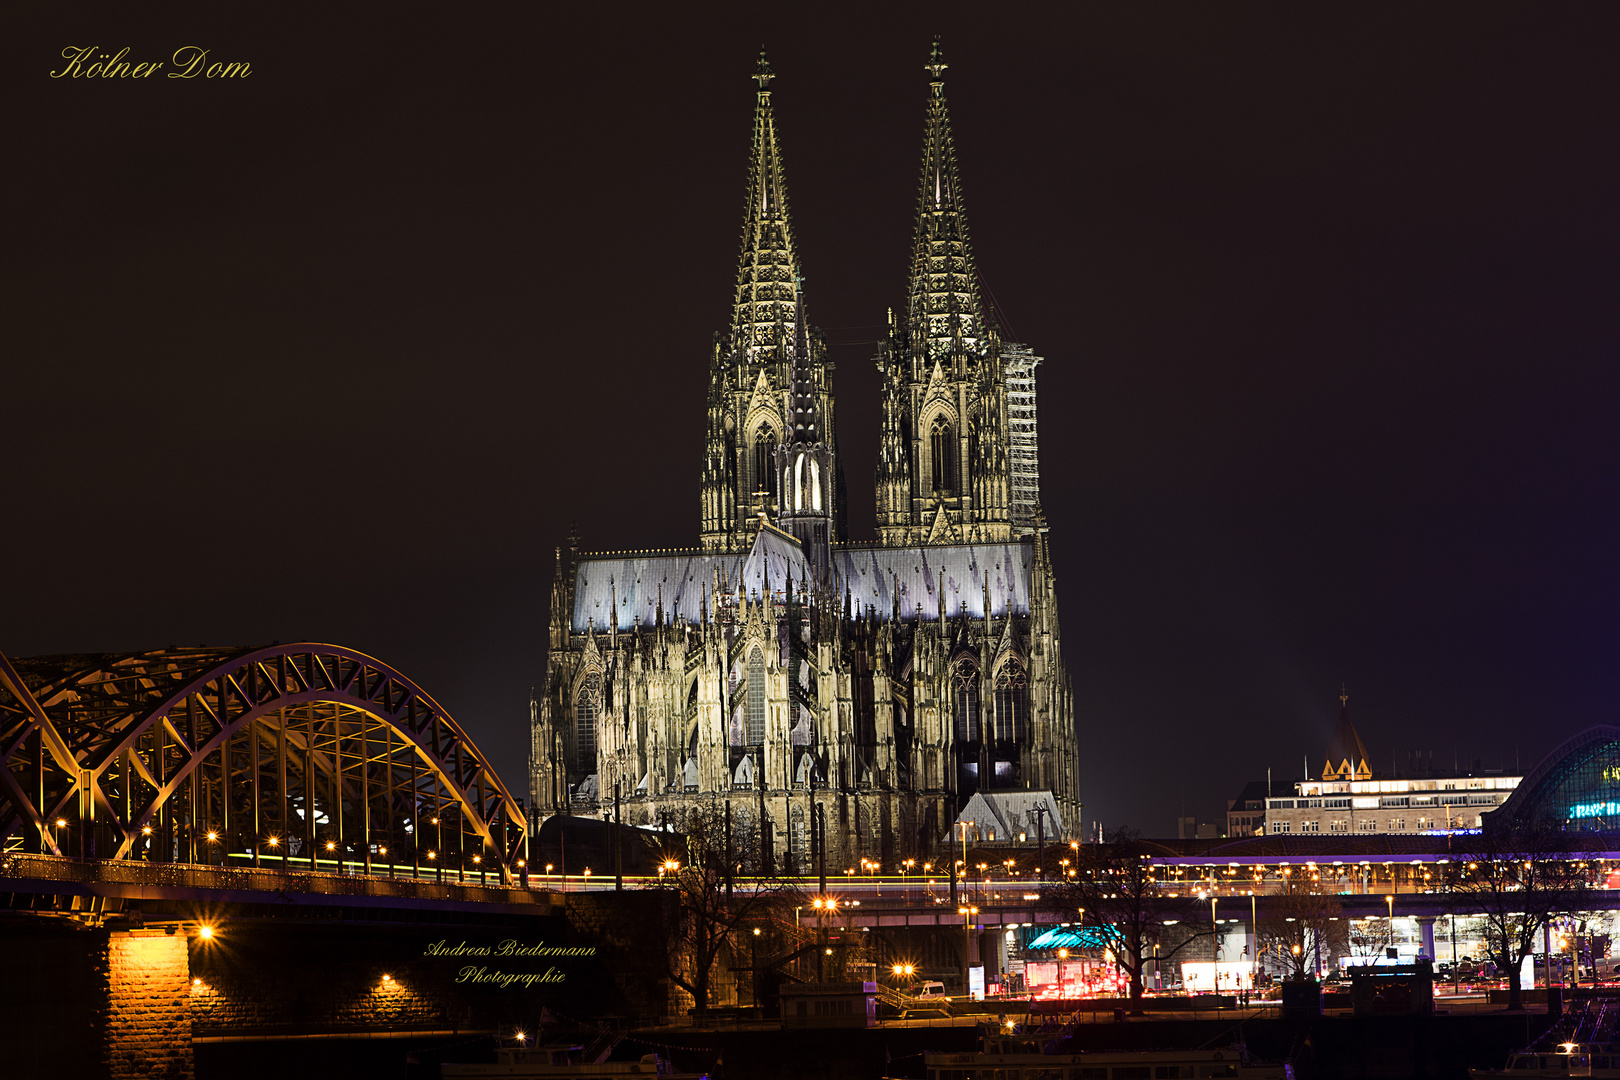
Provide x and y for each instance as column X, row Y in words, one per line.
column 768, row 269
column 944, row 301
column 806, row 418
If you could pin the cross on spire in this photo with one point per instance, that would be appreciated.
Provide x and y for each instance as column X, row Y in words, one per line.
column 764, row 75
column 936, row 63
column 1344, row 695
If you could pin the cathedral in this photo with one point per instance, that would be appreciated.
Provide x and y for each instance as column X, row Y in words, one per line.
column 785, row 674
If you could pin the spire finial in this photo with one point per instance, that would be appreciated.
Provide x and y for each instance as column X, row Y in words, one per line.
column 936, row 63
column 764, row 75
column 1344, row 695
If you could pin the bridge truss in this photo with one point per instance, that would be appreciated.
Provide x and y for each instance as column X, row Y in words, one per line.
column 304, row 756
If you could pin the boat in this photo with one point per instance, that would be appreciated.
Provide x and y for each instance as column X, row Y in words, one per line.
column 1003, row 1057
column 1585, row 1041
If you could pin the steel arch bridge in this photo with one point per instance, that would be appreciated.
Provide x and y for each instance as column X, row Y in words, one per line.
column 305, row 756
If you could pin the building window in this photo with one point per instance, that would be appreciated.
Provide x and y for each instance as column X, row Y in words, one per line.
column 1011, row 702
column 764, row 465
column 755, row 729
column 939, row 441
column 1369, row 825
column 586, row 706
column 966, row 681
column 1279, row 826
column 1310, row 826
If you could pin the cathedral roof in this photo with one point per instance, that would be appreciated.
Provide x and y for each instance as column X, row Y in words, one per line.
column 944, row 298
column 767, row 298
column 636, row 583
column 872, row 575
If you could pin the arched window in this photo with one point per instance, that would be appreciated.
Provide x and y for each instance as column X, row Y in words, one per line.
column 586, row 707
column 965, row 683
column 1012, row 702
column 755, row 732
column 764, row 467
column 940, row 443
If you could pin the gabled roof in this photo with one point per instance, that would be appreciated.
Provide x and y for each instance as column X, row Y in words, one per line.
column 1012, row 812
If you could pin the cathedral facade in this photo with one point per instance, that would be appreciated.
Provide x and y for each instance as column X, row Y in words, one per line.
column 779, row 669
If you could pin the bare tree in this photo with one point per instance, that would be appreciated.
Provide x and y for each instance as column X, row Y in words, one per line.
column 717, row 893
column 1369, row 938
column 1521, row 875
column 1117, row 895
column 1305, row 925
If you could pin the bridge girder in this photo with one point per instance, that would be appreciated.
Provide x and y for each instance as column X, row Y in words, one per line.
column 128, row 740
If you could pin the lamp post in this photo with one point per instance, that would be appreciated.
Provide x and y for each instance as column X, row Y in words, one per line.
column 967, row 912
column 1254, row 950
column 1389, row 899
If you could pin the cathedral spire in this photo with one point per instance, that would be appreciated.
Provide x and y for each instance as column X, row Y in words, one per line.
column 768, row 269
column 944, row 301
column 806, row 418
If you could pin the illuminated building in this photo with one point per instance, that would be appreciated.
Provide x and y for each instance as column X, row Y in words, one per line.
column 1577, row 785
column 1349, row 798
column 775, row 665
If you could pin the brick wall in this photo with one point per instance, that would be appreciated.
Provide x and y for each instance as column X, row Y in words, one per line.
column 148, row 1010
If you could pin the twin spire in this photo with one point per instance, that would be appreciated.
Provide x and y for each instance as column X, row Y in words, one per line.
column 767, row 306
column 944, row 301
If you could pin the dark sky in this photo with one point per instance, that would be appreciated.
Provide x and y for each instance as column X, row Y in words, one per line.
column 1327, row 297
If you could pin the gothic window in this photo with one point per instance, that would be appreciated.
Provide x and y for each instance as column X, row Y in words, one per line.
column 755, row 731
column 586, row 706
column 764, row 469
column 1012, row 702
column 940, row 441
column 965, row 683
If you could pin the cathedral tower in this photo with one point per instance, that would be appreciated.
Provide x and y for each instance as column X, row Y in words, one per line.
column 907, row 694
column 957, row 459
column 751, row 370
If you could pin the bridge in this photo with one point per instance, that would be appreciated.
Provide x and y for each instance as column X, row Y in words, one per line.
column 302, row 757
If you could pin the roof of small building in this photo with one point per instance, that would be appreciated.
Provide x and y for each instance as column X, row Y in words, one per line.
column 1013, row 811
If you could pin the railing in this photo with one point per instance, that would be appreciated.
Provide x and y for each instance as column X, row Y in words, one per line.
column 50, row 868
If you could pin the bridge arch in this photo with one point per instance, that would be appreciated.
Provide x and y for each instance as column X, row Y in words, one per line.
column 307, row 755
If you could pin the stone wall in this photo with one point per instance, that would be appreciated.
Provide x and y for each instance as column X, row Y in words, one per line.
column 148, row 1011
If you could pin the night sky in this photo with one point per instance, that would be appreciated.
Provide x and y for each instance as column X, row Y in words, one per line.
column 1327, row 297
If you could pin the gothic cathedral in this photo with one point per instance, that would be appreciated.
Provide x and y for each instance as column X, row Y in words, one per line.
column 894, row 688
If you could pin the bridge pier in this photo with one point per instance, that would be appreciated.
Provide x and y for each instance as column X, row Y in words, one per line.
column 1426, row 932
column 148, row 1005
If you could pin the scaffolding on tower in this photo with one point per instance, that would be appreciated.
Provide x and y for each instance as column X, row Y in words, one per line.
column 1021, row 363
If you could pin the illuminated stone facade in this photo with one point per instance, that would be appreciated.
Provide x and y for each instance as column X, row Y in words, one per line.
column 777, row 667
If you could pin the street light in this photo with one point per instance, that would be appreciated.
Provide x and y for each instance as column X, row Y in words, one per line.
column 967, row 912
